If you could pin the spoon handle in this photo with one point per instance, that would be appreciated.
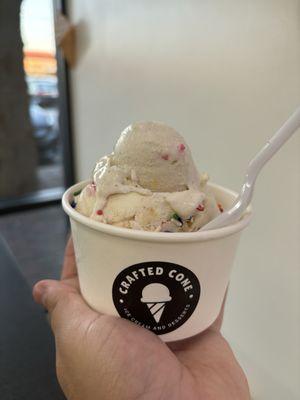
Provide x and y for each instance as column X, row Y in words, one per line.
column 256, row 164
column 273, row 145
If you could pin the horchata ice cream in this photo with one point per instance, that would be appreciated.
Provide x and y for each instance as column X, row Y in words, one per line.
column 149, row 182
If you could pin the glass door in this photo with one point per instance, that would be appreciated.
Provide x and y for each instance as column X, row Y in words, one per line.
column 35, row 140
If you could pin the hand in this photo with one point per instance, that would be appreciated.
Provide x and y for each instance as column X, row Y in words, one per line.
column 101, row 357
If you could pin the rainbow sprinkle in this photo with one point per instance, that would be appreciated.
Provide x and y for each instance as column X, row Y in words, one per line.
column 181, row 147
column 77, row 193
column 177, row 218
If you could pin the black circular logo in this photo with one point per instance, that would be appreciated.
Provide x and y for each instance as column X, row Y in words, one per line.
column 160, row 296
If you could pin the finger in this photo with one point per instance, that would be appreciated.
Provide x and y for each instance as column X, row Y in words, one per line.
column 214, row 328
column 41, row 288
column 73, row 282
column 69, row 265
column 64, row 304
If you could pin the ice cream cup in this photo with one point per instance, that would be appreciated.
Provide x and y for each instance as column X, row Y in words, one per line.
column 170, row 283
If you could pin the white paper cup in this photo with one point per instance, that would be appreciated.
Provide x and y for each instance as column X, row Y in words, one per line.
column 170, row 283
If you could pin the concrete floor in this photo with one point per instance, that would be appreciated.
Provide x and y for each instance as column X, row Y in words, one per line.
column 37, row 239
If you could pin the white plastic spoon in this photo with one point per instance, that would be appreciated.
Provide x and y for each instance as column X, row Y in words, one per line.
column 271, row 147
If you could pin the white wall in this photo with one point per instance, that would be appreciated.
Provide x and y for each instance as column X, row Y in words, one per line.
column 226, row 74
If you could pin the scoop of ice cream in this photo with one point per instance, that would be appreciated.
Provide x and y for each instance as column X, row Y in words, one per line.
column 149, row 182
column 159, row 155
column 158, row 212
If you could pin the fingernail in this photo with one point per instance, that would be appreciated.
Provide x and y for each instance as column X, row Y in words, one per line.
column 39, row 292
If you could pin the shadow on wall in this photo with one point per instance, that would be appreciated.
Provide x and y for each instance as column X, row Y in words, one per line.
column 83, row 39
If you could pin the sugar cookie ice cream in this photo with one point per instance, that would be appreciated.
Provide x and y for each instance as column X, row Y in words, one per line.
column 149, row 182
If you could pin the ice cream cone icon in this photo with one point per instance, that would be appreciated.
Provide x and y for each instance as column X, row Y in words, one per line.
column 156, row 295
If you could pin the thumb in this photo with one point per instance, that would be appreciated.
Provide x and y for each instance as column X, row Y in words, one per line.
column 63, row 302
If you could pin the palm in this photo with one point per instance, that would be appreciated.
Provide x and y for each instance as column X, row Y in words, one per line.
column 123, row 361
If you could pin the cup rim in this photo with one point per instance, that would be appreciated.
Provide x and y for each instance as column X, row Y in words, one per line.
column 154, row 236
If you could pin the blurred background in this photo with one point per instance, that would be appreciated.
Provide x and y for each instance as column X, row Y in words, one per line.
column 32, row 150
column 224, row 73
column 35, row 152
